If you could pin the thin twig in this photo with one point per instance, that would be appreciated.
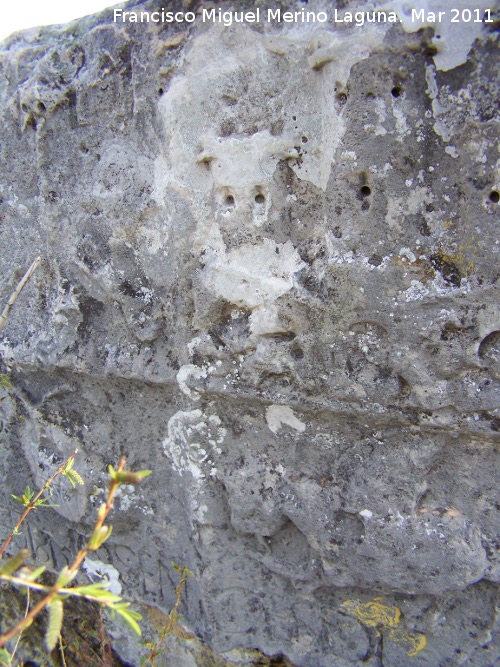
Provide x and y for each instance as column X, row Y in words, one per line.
column 28, row 601
column 172, row 618
column 101, row 518
column 17, row 291
column 57, row 589
column 34, row 501
column 26, row 583
column 61, row 651
column 107, row 657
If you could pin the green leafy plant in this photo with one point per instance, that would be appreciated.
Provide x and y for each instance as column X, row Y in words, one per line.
column 25, row 499
column 154, row 647
column 71, row 475
column 31, row 502
column 13, row 571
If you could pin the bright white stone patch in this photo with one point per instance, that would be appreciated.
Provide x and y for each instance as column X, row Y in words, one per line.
column 406, row 253
column 277, row 415
column 416, row 292
column 253, row 275
column 184, row 373
column 96, row 570
column 455, row 39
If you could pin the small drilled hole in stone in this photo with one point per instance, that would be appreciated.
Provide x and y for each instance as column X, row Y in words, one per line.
column 160, row 92
column 229, row 200
column 396, row 91
column 260, row 199
column 494, row 196
column 365, row 191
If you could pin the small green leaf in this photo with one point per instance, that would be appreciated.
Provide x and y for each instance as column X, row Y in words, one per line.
column 69, row 465
column 98, row 591
column 129, row 477
column 98, row 537
column 43, row 502
column 108, row 533
column 31, row 575
column 12, row 564
column 25, row 499
column 53, row 631
column 69, row 478
column 122, row 605
column 5, row 658
column 129, row 618
column 65, row 577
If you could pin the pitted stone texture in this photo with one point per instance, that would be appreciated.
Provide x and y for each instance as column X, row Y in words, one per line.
column 269, row 274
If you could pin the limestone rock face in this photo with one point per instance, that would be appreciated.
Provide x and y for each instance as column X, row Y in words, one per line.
column 269, row 273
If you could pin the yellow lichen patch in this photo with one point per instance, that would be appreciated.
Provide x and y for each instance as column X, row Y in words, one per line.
column 382, row 617
column 420, row 267
column 373, row 614
column 459, row 257
column 450, row 512
column 413, row 642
